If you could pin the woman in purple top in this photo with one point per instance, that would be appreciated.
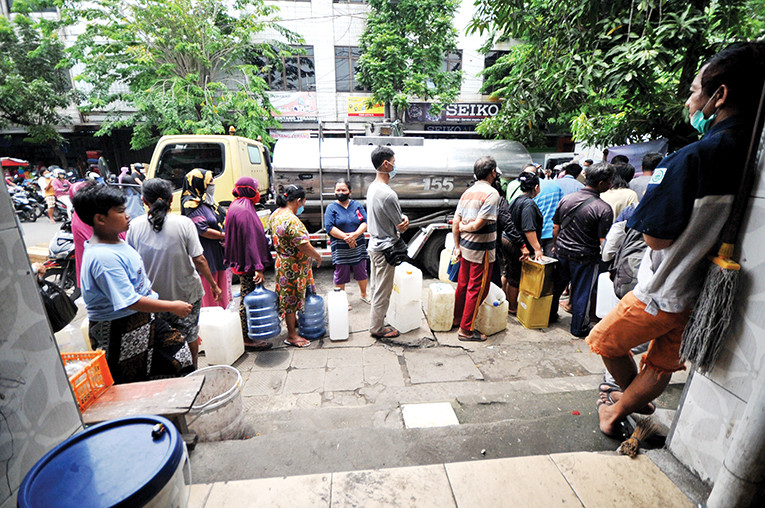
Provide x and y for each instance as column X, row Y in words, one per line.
column 246, row 249
column 197, row 204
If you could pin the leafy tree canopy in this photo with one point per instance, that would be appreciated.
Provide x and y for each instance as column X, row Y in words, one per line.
column 607, row 70
column 176, row 66
column 403, row 49
column 35, row 86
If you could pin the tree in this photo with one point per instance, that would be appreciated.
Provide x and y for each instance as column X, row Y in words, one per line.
column 402, row 52
column 610, row 71
column 177, row 66
column 35, row 86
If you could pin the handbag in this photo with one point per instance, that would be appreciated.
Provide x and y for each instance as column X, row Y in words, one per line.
column 453, row 270
column 396, row 253
column 58, row 306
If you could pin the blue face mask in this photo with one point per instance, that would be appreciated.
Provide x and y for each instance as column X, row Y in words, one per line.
column 701, row 124
column 393, row 173
column 301, row 209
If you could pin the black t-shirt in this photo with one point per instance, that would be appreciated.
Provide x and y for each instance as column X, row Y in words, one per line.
column 526, row 217
column 581, row 238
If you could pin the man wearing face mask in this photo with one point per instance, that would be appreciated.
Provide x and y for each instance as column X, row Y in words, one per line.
column 681, row 215
column 475, row 236
column 385, row 222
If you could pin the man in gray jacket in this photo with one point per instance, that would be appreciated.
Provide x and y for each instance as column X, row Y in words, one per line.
column 385, row 222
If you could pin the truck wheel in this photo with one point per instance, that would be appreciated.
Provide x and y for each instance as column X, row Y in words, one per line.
column 431, row 253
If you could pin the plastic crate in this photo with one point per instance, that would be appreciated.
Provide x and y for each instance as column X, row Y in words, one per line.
column 537, row 277
column 91, row 381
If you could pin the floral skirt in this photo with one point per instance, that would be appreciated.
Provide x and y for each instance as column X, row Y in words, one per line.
column 293, row 276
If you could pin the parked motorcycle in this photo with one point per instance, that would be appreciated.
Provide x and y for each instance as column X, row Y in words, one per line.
column 60, row 266
column 36, row 199
column 23, row 207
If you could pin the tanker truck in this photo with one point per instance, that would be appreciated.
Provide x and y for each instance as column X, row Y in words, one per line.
column 432, row 174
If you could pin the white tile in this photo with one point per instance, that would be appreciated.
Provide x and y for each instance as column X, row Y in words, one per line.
column 433, row 414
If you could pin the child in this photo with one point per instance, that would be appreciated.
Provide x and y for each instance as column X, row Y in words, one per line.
column 119, row 297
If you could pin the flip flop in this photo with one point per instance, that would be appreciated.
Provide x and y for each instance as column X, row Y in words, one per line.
column 388, row 333
column 366, row 300
column 648, row 409
column 288, row 343
column 620, row 434
column 476, row 336
column 606, row 387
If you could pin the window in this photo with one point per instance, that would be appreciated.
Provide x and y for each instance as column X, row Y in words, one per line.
column 295, row 73
column 178, row 159
column 254, row 153
column 489, row 60
column 452, row 62
column 346, row 61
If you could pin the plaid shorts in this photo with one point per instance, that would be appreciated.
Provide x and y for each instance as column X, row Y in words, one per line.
column 188, row 326
column 50, row 201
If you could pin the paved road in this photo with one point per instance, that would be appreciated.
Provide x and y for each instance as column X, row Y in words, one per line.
column 40, row 231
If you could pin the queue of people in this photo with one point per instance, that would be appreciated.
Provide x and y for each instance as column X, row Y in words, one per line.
column 143, row 296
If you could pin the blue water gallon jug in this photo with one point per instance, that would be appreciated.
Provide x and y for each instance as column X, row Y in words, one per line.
column 262, row 311
column 311, row 321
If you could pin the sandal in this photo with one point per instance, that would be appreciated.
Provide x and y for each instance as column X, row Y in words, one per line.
column 475, row 336
column 295, row 344
column 388, row 333
column 256, row 345
column 366, row 300
column 648, row 409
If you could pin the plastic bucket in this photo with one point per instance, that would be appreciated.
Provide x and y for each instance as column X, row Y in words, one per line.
column 133, row 461
column 217, row 413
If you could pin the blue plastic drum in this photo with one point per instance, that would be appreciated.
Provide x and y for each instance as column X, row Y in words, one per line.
column 134, row 461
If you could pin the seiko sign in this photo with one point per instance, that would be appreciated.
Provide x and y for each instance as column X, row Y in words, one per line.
column 472, row 112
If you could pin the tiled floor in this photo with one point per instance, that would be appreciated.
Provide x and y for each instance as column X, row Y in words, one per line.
column 570, row 479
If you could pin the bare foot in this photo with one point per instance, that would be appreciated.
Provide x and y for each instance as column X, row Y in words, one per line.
column 615, row 395
column 608, row 421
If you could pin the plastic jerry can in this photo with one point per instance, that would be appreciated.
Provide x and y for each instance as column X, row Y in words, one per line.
column 407, row 283
column 534, row 312
column 221, row 333
column 262, row 313
column 85, row 331
column 492, row 316
column 607, row 299
column 311, row 321
column 443, row 265
column 337, row 314
column 70, row 340
column 495, row 294
column 441, row 307
column 403, row 314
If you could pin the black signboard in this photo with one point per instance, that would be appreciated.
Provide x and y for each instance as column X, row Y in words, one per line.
column 462, row 112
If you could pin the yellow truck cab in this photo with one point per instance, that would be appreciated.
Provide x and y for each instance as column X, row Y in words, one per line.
column 228, row 157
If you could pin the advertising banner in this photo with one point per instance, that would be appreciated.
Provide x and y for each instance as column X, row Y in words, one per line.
column 357, row 107
column 294, row 106
column 461, row 112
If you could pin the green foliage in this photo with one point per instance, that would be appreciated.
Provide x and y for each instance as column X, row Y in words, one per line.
column 610, row 71
column 176, row 66
column 34, row 80
column 403, row 48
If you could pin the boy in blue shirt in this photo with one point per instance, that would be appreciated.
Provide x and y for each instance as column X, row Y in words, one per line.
column 119, row 297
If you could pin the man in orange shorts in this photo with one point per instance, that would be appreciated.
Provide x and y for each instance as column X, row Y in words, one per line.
column 681, row 215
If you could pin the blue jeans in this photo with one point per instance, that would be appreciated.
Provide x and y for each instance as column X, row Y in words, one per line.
column 582, row 275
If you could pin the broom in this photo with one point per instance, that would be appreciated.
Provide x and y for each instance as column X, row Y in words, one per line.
column 708, row 325
column 644, row 429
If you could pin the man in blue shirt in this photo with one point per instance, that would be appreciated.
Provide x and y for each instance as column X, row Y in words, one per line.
column 547, row 200
column 681, row 215
column 568, row 182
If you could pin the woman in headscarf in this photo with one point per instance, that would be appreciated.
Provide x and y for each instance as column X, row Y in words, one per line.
column 246, row 248
column 293, row 259
column 198, row 204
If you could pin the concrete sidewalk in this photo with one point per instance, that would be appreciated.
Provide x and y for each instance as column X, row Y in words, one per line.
column 588, row 479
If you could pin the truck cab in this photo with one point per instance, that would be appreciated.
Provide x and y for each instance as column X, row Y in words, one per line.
column 228, row 157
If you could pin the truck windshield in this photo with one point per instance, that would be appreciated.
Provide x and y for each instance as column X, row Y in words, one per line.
column 179, row 158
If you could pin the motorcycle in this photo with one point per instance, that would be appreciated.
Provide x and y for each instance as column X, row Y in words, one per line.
column 23, row 207
column 60, row 267
column 36, row 200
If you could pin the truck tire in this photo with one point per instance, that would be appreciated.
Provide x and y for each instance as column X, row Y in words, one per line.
column 431, row 253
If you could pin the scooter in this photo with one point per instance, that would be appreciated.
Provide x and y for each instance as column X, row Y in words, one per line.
column 23, row 207
column 60, row 267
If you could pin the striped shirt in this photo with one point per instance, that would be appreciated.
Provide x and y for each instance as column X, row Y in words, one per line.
column 479, row 202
